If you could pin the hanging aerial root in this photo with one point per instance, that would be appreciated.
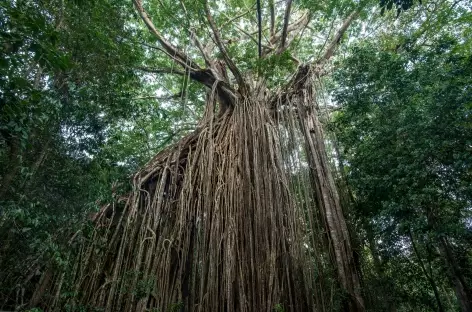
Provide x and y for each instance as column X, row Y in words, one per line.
column 299, row 109
column 225, row 220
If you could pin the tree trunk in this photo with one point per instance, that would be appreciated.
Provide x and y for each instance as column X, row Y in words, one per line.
column 454, row 272
column 14, row 163
column 214, row 224
column 429, row 278
column 463, row 292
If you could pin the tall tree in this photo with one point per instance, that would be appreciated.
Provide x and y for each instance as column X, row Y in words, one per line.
column 222, row 220
column 404, row 125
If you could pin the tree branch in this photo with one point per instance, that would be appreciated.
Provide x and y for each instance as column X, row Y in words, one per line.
column 327, row 38
column 231, row 20
column 304, row 71
column 259, row 26
column 301, row 22
column 219, row 43
column 167, row 97
column 173, row 52
column 206, row 77
column 337, row 37
column 285, row 27
column 161, row 70
column 296, row 26
column 272, row 18
column 250, row 37
column 205, row 55
column 299, row 30
column 194, row 38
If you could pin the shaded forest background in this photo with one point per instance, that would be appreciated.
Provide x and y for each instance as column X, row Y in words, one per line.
column 84, row 105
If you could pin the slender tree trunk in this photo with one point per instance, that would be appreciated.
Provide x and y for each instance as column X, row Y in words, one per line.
column 374, row 250
column 37, row 164
column 425, row 272
column 463, row 292
column 14, row 163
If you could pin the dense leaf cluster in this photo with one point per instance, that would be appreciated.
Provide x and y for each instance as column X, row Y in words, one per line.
column 66, row 84
column 404, row 126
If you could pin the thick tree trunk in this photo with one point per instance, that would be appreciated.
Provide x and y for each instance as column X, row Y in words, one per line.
column 214, row 223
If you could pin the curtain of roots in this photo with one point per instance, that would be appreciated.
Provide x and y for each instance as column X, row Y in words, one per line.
column 225, row 220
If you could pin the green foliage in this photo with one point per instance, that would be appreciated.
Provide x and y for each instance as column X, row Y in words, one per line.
column 176, row 307
column 276, row 67
column 404, row 125
column 279, row 308
column 77, row 117
column 398, row 5
column 66, row 81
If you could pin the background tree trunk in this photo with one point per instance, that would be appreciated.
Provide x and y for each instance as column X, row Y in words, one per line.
column 13, row 167
column 463, row 292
